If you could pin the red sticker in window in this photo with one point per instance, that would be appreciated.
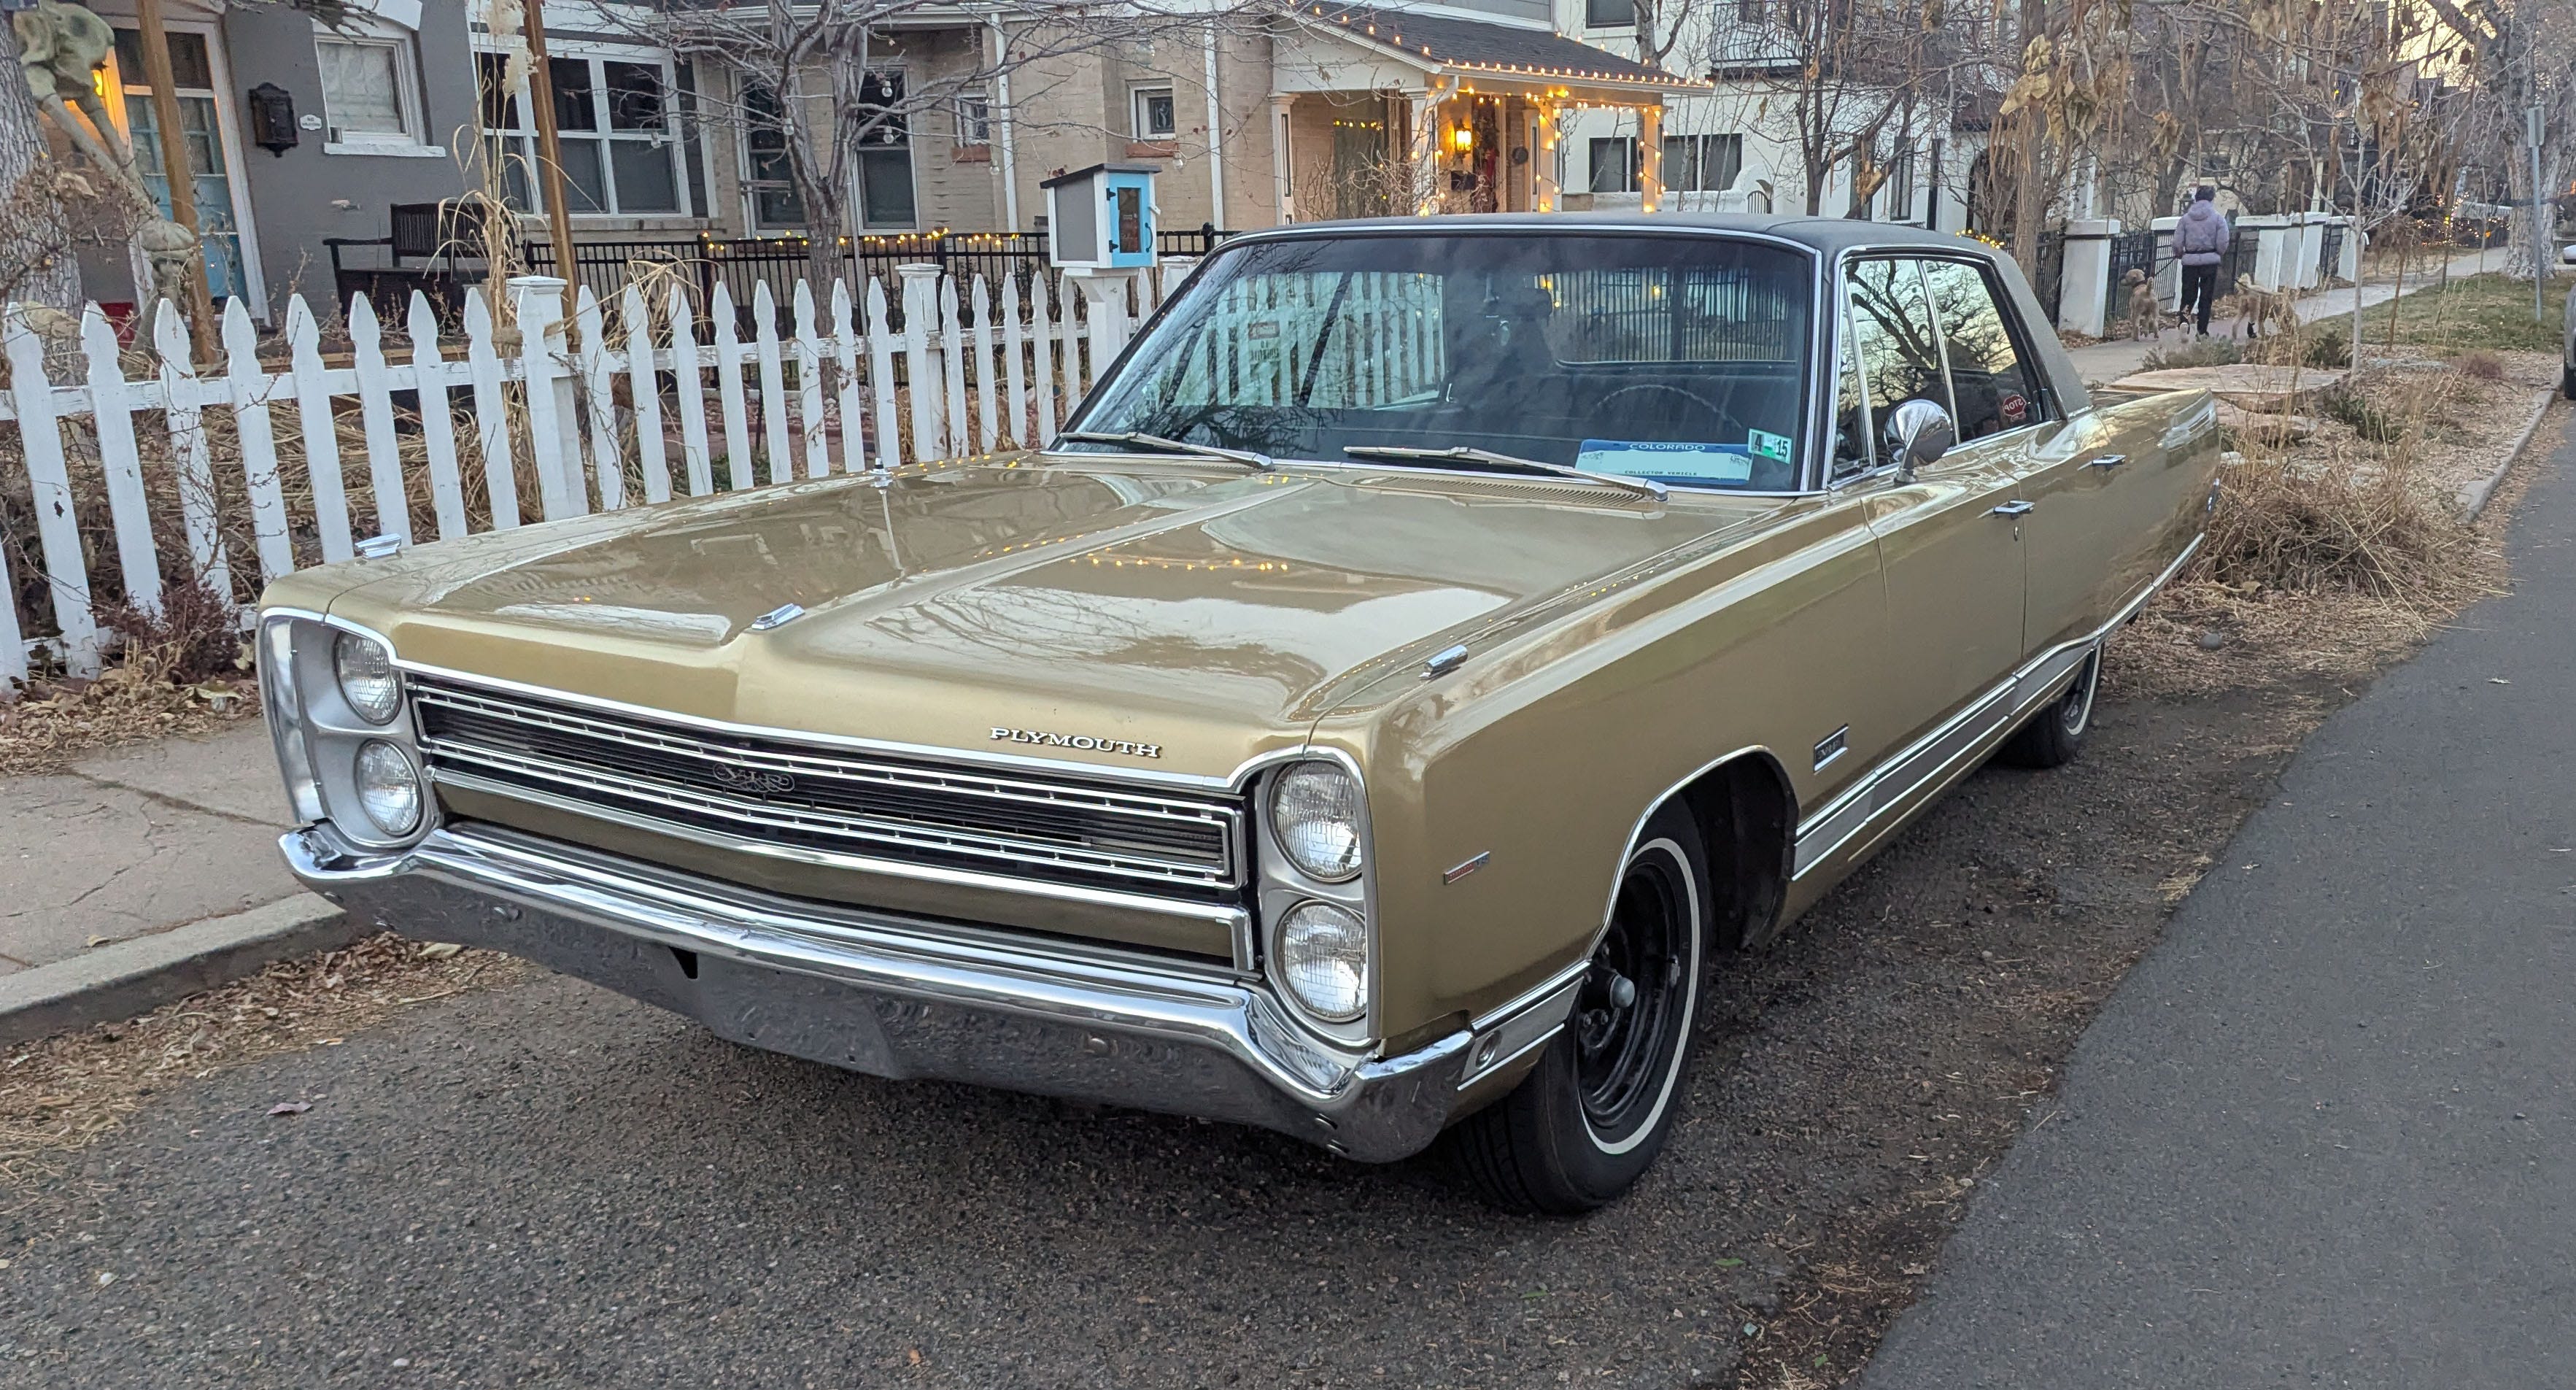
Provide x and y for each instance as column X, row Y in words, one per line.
column 2015, row 409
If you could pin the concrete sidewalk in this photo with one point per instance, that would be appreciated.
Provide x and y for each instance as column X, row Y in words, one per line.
column 2117, row 357
column 145, row 874
column 2325, row 1133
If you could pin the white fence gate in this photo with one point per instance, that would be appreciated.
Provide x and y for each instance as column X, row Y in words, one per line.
column 588, row 418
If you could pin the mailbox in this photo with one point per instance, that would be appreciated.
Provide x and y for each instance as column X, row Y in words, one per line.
column 1101, row 218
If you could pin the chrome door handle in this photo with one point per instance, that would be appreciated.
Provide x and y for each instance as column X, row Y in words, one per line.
column 2107, row 461
column 2016, row 507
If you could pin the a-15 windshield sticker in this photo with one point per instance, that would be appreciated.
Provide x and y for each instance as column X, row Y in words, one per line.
column 1706, row 463
column 1768, row 445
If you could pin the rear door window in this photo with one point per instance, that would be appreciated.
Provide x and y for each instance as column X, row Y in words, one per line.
column 1995, row 387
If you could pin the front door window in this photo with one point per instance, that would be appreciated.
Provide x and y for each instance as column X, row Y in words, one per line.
column 201, row 129
column 885, row 154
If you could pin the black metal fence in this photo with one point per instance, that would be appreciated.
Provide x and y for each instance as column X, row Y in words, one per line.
column 2050, row 283
column 1011, row 262
column 2143, row 249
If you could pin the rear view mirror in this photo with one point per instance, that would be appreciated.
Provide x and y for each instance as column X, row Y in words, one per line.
column 1919, row 432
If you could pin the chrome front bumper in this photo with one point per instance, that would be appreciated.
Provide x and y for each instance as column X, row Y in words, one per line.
column 901, row 997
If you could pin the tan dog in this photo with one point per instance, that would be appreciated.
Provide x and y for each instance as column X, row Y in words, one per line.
column 2257, row 311
column 2146, row 312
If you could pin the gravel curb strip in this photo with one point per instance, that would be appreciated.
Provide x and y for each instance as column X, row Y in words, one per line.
column 129, row 978
column 2473, row 497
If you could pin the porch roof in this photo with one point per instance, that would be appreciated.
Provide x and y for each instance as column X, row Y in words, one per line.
column 1469, row 50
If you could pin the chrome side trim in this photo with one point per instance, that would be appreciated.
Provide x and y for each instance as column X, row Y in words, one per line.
column 1941, row 754
column 1234, row 919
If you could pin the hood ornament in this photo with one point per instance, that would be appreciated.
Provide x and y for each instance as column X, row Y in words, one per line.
column 780, row 616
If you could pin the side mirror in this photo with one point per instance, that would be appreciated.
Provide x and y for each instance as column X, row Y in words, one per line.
column 1919, row 432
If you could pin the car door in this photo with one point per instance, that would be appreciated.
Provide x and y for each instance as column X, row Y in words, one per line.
column 2099, row 484
column 1949, row 537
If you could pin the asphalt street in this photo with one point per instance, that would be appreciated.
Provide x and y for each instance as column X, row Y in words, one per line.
column 2325, row 1133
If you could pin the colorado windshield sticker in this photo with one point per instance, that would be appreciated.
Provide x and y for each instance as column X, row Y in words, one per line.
column 1767, row 444
column 1699, row 463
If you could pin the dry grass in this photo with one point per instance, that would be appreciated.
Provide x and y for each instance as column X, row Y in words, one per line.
column 58, row 1094
column 2331, row 557
column 184, row 670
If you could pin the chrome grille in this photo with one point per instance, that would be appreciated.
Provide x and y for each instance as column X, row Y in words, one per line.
column 881, row 807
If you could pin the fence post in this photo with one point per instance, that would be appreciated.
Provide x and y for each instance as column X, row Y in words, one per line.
column 920, row 312
column 2084, row 277
column 50, row 492
column 111, row 406
column 554, row 427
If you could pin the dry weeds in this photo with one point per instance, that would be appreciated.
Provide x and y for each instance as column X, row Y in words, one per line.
column 58, row 1094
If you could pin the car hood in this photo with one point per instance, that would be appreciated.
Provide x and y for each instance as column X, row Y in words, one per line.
column 1207, row 613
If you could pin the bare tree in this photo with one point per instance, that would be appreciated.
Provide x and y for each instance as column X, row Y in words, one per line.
column 2521, row 53
column 36, row 262
column 1843, row 82
column 812, row 73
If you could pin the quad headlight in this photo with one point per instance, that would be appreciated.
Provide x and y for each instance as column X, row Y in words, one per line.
column 335, row 709
column 388, row 787
column 1323, row 957
column 1315, row 813
column 365, row 669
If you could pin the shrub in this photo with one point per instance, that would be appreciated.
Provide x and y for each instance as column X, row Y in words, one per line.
column 2480, row 365
column 2368, row 419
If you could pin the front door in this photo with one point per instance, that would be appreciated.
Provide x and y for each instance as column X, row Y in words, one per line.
column 203, row 121
column 1949, row 539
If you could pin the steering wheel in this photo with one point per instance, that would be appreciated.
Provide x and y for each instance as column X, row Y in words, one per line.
column 1722, row 424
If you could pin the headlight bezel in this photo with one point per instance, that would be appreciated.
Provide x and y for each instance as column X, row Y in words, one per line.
column 1281, row 887
column 1286, row 971
column 318, row 732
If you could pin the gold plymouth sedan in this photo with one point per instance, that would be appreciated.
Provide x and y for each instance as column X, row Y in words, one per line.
column 1430, row 643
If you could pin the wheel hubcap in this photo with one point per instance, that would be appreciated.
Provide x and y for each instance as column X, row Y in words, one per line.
column 2076, row 709
column 1632, row 999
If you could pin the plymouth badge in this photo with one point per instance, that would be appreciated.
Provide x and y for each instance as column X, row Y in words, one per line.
column 1085, row 742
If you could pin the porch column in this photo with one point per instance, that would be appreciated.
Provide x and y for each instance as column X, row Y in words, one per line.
column 1282, row 175
column 1422, row 155
column 1542, row 147
column 1650, row 158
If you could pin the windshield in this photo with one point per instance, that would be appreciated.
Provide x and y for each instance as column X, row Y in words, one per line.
column 1676, row 358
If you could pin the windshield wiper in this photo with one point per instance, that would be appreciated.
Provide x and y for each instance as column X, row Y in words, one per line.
column 1162, row 444
column 1508, row 462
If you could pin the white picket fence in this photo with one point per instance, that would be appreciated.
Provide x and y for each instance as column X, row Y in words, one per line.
column 692, row 417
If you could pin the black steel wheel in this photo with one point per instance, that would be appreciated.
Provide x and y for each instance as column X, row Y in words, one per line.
column 2056, row 732
column 1595, row 1110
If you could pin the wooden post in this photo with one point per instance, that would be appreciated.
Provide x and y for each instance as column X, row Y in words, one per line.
column 174, row 168
column 541, row 91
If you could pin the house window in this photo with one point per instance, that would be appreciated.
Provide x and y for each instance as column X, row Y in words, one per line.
column 1609, row 14
column 203, row 134
column 1154, row 114
column 1702, row 163
column 1615, row 167
column 885, row 152
column 617, row 125
column 370, row 88
column 768, row 182
column 974, row 120
column 1898, row 192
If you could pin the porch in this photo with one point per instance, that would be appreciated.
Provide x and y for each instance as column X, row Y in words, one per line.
column 1380, row 113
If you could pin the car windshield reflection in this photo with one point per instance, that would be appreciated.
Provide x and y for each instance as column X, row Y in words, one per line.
column 1676, row 359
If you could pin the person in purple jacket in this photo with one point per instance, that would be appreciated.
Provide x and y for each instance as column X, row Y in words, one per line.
column 2199, row 239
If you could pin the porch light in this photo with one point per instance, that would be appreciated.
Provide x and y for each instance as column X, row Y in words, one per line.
column 1463, row 137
